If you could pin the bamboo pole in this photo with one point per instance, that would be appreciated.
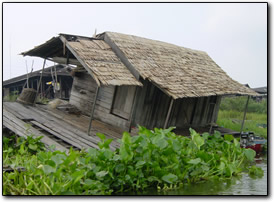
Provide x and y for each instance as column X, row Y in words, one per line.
column 242, row 126
column 38, row 87
column 92, row 110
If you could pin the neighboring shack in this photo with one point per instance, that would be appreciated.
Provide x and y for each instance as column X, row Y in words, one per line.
column 262, row 91
column 126, row 80
column 15, row 85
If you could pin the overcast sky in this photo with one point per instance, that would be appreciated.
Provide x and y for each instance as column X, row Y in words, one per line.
column 233, row 34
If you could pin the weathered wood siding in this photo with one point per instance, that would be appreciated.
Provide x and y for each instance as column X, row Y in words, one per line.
column 152, row 107
column 83, row 94
column 103, row 108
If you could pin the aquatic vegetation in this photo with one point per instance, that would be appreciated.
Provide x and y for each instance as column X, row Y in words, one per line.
column 156, row 158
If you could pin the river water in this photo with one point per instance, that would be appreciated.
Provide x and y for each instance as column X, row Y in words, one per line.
column 242, row 185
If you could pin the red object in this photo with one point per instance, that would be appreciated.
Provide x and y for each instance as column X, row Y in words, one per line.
column 257, row 147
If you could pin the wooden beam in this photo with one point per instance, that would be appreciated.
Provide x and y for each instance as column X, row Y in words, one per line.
column 93, row 108
column 40, row 81
column 121, row 56
column 246, row 105
column 168, row 113
column 133, row 109
column 62, row 60
column 80, row 60
column 212, row 117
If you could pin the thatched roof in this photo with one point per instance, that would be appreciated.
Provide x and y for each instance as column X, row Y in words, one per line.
column 93, row 54
column 120, row 59
column 103, row 62
column 180, row 72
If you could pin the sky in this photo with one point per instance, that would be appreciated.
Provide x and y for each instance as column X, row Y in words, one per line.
column 233, row 34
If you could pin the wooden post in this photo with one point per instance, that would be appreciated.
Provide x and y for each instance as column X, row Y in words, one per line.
column 133, row 109
column 40, row 81
column 27, row 75
column 60, row 84
column 168, row 113
column 242, row 126
column 212, row 117
column 92, row 110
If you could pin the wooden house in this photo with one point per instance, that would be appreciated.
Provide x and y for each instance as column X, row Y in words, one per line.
column 125, row 80
column 64, row 79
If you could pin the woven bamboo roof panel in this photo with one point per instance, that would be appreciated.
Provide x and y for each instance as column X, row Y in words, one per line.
column 103, row 62
column 180, row 72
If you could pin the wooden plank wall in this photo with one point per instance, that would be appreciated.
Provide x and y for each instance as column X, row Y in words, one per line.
column 103, row 108
column 152, row 106
column 83, row 94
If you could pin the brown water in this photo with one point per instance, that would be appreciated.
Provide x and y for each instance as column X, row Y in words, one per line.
column 243, row 185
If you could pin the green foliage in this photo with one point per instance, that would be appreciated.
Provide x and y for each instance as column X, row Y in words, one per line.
column 157, row 158
column 42, row 100
column 11, row 97
column 238, row 104
column 255, row 171
column 233, row 121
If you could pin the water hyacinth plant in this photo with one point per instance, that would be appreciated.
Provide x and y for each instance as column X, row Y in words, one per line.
column 156, row 158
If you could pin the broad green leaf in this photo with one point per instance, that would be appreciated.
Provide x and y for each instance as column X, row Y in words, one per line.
column 221, row 166
column 153, row 178
column 58, row 158
column 89, row 182
column 140, row 163
column 176, row 145
column 39, row 138
column 108, row 154
column 236, row 143
column 204, row 155
column 199, row 141
column 170, row 178
column 101, row 174
column 22, row 148
column 101, row 136
column 205, row 136
column 229, row 137
column 126, row 138
column 107, row 143
column 50, row 163
column 168, row 130
column 92, row 152
column 250, row 154
column 194, row 161
column 78, row 175
column 48, row 169
column 116, row 157
column 161, row 143
column 217, row 134
column 33, row 147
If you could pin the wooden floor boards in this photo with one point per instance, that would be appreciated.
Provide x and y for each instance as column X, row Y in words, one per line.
column 67, row 129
